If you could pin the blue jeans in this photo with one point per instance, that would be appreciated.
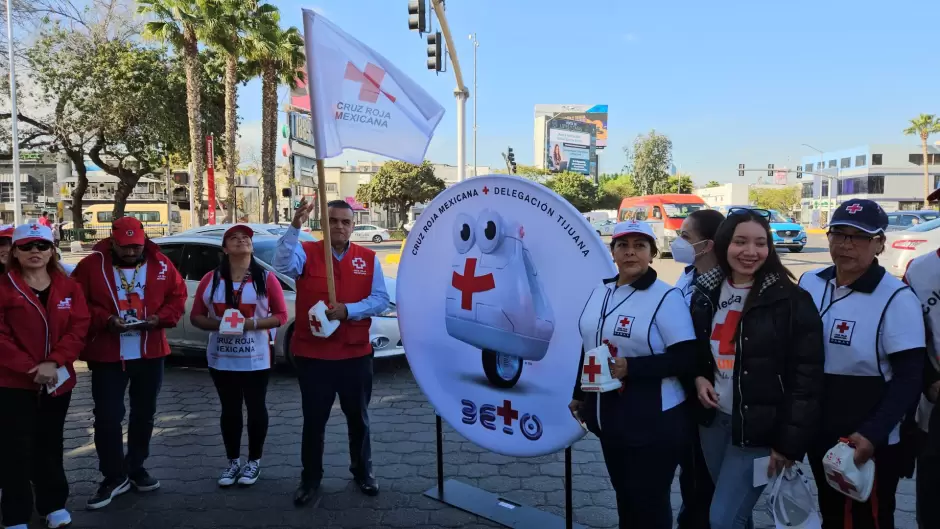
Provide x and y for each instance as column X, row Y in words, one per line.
column 732, row 470
column 109, row 382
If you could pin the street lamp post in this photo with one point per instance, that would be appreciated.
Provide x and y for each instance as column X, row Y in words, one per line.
column 832, row 181
column 476, row 44
column 17, row 201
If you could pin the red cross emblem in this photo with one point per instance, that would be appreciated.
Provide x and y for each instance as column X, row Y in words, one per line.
column 469, row 283
column 234, row 319
column 853, row 209
column 724, row 333
column 485, row 190
column 592, row 369
column 359, row 263
column 507, row 413
column 247, row 310
column 844, row 485
column 370, row 81
column 315, row 323
column 625, row 322
column 842, row 327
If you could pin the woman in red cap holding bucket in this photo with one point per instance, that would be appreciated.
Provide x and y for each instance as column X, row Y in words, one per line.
column 242, row 305
column 43, row 321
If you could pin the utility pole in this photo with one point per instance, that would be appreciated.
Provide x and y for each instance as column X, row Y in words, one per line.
column 17, row 201
column 460, row 93
column 476, row 44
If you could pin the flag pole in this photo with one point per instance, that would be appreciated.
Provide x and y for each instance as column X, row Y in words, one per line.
column 325, row 228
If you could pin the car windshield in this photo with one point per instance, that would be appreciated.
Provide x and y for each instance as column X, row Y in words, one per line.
column 777, row 218
column 926, row 226
column 681, row 211
column 264, row 249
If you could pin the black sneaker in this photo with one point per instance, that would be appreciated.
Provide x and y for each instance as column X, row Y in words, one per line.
column 107, row 491
column 143, row 481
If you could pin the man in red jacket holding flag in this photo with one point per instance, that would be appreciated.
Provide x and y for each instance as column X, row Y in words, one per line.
column 340, row 364
column 133, row 292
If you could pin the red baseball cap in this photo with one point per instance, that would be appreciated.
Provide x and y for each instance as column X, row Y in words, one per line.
column 6, row 231
column 238, row 228
column 128, row 231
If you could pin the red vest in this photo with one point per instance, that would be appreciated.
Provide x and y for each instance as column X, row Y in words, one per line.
column 353, row 279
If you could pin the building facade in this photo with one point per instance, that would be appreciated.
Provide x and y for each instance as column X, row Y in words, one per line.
column 892, row 175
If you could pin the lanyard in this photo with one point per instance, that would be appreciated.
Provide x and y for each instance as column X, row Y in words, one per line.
column 128, row 288
column 604, row 312
column 831, row 290
column 237, row 295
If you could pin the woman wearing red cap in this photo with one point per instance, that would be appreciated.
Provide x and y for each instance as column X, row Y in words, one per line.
column 242, row 304
column 6, row 244
column 43, row 321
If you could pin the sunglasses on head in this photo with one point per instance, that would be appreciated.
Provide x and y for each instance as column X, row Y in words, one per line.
column 744, row 211
column 42, row 246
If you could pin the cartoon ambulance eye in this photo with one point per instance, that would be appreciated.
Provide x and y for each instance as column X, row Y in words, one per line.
column 463, row 233
column 490, row 227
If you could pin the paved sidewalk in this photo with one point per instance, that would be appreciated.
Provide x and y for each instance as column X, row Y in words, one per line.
column 187, row 457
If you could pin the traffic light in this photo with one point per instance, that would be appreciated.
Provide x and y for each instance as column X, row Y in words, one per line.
column 799, row 171
column 770, row 169
column 417, row 19
column 434, row 52
column 511, row 156
column 740, row 169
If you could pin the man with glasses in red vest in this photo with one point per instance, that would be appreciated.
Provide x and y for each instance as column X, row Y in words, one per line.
column 340, row 364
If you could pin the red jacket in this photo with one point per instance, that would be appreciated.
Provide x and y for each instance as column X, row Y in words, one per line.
column 31, row 334
column 165, row 297
column 353, row 284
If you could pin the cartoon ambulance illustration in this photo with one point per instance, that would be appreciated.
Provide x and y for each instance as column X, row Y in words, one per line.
column 495, row 300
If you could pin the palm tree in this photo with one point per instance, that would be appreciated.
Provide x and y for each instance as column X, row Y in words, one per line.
column 278, row 55
column 178, row 22
column 924, row 125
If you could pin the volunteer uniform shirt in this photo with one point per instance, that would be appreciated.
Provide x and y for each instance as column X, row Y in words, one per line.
column 131, row 306
column 724, row 325
column 639, row 322
column 863, row 324
column 685, row 282
column 250, row 351
column 923, row 276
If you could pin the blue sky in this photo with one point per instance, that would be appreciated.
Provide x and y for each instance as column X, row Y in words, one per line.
column 728, row 81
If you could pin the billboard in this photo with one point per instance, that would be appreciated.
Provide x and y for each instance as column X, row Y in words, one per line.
column 595, row 114
column 570, row 146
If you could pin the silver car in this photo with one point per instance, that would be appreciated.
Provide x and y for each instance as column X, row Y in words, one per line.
column 195, row 256
column 218, row 230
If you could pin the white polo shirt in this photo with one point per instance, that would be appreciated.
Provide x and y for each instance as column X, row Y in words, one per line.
column 923, row 276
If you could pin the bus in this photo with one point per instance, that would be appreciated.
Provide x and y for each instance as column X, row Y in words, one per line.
column 670, row 209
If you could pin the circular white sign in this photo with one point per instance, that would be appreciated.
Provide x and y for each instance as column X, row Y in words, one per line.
column 491, row 285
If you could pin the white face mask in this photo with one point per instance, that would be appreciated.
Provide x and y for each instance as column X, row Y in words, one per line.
column 683, row 251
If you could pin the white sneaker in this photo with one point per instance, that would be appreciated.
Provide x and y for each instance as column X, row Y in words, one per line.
column 230, row 474
column 250, row 473
column 60, row 518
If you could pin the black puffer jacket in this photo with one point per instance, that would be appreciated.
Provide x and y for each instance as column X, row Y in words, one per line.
column 778, row 368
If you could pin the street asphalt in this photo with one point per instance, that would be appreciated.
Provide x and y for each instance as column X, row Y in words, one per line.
column 187, row 456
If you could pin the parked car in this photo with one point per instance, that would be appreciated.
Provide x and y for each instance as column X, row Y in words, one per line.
column 368, row 232
column 903, row 246
column 217, row 230
column 787, row 234
column 195, row 256
column 902, row 220
column 604, row 227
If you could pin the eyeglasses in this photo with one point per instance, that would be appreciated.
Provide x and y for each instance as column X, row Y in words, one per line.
column 836, row 237
column 744, row 211
column 42, row 246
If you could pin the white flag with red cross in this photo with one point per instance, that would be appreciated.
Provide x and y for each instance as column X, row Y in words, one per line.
column 360, row 100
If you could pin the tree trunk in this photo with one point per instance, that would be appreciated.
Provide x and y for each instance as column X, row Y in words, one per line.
column 923, row 140
column 197, row 149
column 231, row 129
column 78, row 194
column 268, row 139
column 124, row 188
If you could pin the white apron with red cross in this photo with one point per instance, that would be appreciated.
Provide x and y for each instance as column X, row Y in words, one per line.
column 250, row 351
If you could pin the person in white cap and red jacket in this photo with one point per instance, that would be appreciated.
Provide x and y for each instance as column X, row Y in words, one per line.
column 43, row 321
column 134, row 293
column 644, row 427
column 6, row 244
column 240, row 365
column 873, row 332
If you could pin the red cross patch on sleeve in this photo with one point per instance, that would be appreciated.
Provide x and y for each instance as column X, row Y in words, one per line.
column 623, row 326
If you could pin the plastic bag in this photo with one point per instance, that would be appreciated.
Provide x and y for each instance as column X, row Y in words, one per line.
column 791, row 501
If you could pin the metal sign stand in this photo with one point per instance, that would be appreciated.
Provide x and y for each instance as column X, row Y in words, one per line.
column 493, row 507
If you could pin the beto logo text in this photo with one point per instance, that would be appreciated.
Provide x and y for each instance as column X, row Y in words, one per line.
column 623, row 326
column 489, row 415
column 841, row 332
